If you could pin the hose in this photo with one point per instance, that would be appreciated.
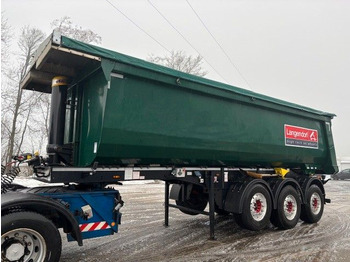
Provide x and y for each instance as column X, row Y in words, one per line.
column 8, row 177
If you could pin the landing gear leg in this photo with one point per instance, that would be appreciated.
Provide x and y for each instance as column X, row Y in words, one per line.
column 210, row 177
column 166, row 204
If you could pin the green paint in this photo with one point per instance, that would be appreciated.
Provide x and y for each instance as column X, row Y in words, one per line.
column 149, row 117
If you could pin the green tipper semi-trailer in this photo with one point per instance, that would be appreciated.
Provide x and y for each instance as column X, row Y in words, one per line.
column 116, row 118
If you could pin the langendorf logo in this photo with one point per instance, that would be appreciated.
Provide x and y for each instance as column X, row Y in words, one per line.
column 300, row 136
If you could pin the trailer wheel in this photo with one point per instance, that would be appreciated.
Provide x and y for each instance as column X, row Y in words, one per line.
column 257, row 207
column 287, row 214
column 238, row 219
column 312, row 211
column 198, row 201
column 28, row 236
column 220, row 212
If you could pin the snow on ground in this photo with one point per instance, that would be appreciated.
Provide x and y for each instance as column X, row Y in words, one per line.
column 142, row 236
column 31, row 182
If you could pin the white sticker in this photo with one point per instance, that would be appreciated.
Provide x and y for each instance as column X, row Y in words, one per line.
column 95, row 147
column 128, row 174
column 135, row 175
column 117, row 75
column 225, row 176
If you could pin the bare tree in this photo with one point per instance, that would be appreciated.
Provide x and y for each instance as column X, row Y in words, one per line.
column 65, row 26
column 180, row 61
column 43, row 110
column 6, row 38
column 14, row 107
column 25, row 115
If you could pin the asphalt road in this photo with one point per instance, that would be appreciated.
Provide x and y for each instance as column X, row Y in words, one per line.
column 142, row 236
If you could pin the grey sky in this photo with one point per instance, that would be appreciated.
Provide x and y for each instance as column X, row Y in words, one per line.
column 297, row 51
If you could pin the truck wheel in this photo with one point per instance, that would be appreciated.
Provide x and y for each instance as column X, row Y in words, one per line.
column 198, row 201
column 221, row 212
column 257, row 207
column 312, row 211
column 288, row 209
column 28, row 236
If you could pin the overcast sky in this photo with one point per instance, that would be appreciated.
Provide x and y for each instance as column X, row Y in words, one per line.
column 297, row 51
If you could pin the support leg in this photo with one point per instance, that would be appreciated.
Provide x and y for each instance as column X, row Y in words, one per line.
column 211, row 206
column 166, row 204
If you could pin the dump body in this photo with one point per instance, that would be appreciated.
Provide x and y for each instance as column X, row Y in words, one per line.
column 123, row 111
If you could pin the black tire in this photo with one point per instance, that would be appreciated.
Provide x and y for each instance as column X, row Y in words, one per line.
column 221, row 212
column 238, row 219
column 22, row 228
column 198, row 201
column 312, row 211
column 273, row 218
column 259, row 217
column 288, row 210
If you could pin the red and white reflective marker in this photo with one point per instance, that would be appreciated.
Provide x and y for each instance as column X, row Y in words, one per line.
column 94, row 226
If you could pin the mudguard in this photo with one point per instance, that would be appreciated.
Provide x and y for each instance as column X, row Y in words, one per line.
column 177, row 189
column 237, row 193
column 277, row 185
column 39, row 204
column 312, row 181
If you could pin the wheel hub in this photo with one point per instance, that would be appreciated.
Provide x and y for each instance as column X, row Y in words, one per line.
column 315, row 203
column 290, row 207
column 258, row 206
column 14, row 252
column 23, row 244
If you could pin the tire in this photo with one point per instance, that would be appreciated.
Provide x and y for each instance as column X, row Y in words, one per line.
column 288, row 210
column 221, row 212
column 257, row 207
column 312, row 211
column 238, row 219
column 29, row 236
column 273, row 218
column 198, row 201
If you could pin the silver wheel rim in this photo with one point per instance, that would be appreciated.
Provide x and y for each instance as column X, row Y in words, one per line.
column 315, row 203
column 258, row 206
column 290, row 207
column 23, row 243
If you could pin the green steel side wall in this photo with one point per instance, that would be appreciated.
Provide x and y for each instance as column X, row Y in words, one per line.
column 151, row 120
column 145, row 69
